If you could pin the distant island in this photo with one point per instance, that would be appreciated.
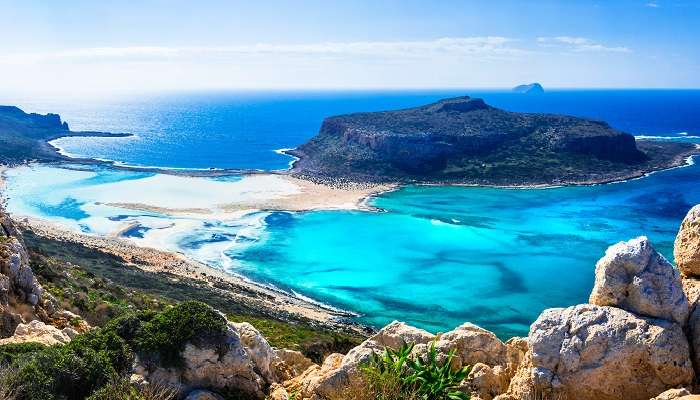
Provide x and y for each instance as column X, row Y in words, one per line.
column 25, row 137
column 531, row 88
column 464, row 140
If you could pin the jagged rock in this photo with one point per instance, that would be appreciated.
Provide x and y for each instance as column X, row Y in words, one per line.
column 635, row 277
column 259, row 350
column 289, row 364
column 223, row 365
column 686, row 249
column 672, row 394
column 485, row 382
column 602, row 353
column 38, row 332
column 277, row 392
column 306, row 385
column 203, row 395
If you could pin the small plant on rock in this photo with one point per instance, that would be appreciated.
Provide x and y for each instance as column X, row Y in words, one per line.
column 396, row 374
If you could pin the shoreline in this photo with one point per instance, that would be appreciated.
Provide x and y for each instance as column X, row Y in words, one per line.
column 265, row 298
column 680, row 160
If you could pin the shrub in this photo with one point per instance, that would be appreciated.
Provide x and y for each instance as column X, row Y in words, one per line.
column 396, row 375
column 122, row 389
column 166, row 333
column 72, row 371
column 10, row 352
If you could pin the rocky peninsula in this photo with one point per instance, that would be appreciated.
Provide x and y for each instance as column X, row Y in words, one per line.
column 463, row 140
column 24, row 137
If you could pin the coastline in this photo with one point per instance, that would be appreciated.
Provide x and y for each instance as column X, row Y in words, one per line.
column 265, row 298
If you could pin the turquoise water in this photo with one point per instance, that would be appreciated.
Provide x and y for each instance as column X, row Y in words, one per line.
column 440, row 256
column 435, row 257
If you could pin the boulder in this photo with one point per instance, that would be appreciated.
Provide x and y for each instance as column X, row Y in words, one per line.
column 37, row 332
column 259, row 350
column 306, row 385
column 692, row 289
column 590, row 352
column 473, row 345
column 289, row 364
column 635, row 277
column 224, row 365
column 277, row 392
column 686, row 249
column 485, row 382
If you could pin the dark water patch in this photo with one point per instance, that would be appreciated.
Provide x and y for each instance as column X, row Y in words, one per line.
column 68, row 208
column 118, row 218
column 280, row 220
column 671, row 205
column 215, row 237
column 136, row 231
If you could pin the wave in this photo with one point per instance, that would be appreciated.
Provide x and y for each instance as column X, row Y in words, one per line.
column 283, row 152
column 653, row 137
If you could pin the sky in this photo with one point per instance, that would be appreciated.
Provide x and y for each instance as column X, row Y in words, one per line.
column 74, row 46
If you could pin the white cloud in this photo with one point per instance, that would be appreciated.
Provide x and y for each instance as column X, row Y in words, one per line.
column 653, row 5
column 483, row 46
column 579, row 44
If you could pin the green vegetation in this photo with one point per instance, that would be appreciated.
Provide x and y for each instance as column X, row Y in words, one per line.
column 313, row 342
column 101, row 287
column 10, row 352
column 167, row 333
column 98, row 359
column 396, row 375
column 71, row 371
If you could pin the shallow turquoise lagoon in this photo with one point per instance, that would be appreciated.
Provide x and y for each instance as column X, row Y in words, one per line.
column 434, row 257
column 440, row 256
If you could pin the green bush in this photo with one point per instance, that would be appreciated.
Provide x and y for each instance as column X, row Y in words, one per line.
column 10, row 352
column 396, row 375
column 166, row 333
column 72, row 371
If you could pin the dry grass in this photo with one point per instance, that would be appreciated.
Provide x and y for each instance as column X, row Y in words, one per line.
column 7, row 390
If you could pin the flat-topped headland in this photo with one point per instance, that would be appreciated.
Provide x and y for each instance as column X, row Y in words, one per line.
column 463, row 140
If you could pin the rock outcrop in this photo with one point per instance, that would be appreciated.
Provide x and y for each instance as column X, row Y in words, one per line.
column 593, row 352
column 687, row 246
column 22, row 299
column 38, row 332
column 635, row 277
column 240, row 361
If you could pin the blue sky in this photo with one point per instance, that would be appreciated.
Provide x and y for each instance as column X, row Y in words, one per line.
column 112, row 46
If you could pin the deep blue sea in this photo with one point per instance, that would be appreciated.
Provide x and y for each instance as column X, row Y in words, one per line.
column 438, row 256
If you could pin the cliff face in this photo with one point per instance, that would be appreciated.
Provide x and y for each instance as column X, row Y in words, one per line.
column 466, row 140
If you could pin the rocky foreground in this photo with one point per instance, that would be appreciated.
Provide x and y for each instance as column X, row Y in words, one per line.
column 638, row 338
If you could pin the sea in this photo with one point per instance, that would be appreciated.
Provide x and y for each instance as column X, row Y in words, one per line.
column 433, row 256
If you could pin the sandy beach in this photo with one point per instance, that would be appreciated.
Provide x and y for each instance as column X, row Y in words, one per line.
column 278, row 192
